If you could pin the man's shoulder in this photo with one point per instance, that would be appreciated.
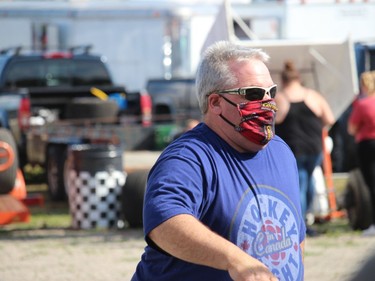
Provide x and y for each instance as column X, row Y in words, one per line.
column 278, row 141
column 278, row 144
column 194, row 142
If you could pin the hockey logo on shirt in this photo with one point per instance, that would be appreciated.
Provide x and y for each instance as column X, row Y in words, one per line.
column 266, row 228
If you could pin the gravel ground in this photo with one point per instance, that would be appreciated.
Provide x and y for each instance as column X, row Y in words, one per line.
column 65, row 254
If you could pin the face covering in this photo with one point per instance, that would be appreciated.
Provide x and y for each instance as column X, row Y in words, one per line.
column 257, row 120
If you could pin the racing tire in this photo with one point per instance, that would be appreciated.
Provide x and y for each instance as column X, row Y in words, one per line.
column 8, row 161
column 357, row 201
column 81, row 108
column 56, row 156
column 132, row 197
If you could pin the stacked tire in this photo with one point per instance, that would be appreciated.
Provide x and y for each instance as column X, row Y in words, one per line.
column 357, row 201
column 81, row 108
column 8, row 161
column 132, row 197
column 56, row 156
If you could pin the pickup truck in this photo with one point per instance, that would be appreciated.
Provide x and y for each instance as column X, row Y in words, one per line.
column 174, row 105
column 173, row 100
column 49, row 100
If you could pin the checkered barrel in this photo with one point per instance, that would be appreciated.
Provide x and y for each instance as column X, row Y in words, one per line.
column 94, row 179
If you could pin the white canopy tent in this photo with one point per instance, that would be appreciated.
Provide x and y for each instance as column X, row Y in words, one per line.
column 328, row 67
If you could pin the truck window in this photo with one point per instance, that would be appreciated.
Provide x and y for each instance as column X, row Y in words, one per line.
column 56, row 72
column 3, row 61
column 90, row 72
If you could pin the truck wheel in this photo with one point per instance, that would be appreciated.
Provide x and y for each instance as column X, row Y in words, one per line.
column 357, row 201
column 132, row 197
column 56, row 156
column 80, row 108
column 8, row 161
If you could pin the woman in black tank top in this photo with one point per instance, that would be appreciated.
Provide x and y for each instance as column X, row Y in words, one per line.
column 299, row 122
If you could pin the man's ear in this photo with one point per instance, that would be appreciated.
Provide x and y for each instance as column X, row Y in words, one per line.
column 214, row 103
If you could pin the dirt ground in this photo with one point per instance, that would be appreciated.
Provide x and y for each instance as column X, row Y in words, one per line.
column 65, row 254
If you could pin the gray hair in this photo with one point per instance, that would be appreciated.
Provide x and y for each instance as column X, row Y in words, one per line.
column 213, row 72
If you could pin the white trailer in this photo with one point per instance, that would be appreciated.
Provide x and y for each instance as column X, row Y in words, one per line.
column 326, row 66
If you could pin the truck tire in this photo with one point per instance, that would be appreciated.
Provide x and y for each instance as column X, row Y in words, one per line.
column 132, row 197
column 56, row 156
column 357, row 201
column 8, row 161
column 80, row 108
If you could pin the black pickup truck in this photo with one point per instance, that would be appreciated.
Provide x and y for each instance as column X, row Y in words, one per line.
column 41, row 87
column 49, row 100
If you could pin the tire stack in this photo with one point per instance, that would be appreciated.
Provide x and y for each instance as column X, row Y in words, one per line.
column 80, row 108
column 357, row 201
column 132, row 197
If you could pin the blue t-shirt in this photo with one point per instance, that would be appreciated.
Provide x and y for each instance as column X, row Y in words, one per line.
column 251, row 199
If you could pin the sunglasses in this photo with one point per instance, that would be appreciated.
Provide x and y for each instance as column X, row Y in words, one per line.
column 252, row 93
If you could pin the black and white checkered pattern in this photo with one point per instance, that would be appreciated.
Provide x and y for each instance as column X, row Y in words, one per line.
column 94, row 198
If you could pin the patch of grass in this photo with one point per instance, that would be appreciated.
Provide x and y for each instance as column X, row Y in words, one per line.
column 48, row 215
column 334, row 227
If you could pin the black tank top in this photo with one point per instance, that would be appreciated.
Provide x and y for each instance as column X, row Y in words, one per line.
column 301, row 130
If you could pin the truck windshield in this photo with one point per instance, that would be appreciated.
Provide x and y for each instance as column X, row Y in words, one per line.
column 3, row 61
column 56, row 72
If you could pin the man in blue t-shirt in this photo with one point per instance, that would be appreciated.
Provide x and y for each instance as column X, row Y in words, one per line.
column 222, row 201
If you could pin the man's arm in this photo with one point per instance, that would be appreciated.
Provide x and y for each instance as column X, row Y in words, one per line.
column 352, row 129
column 186, row 238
